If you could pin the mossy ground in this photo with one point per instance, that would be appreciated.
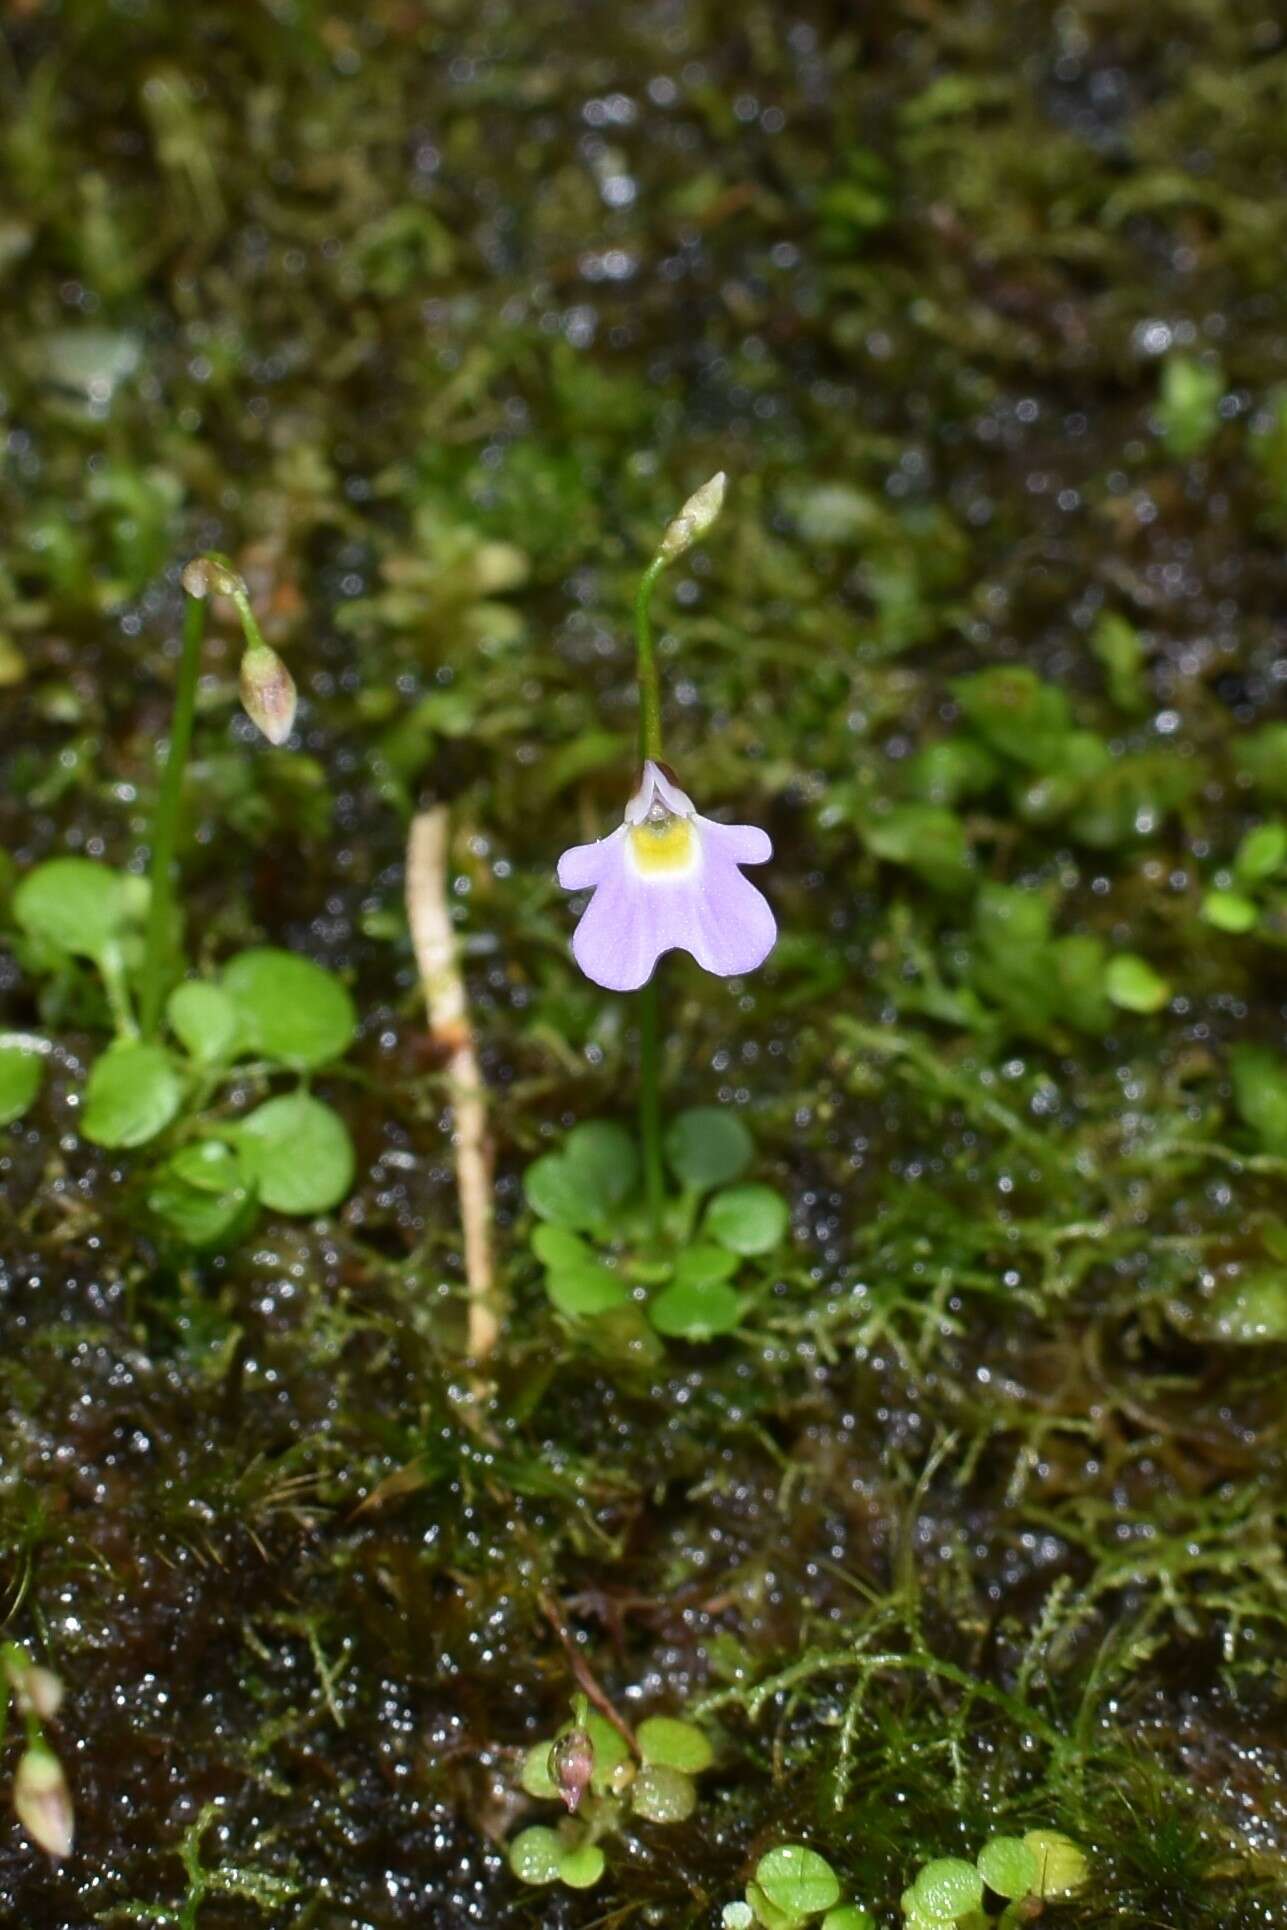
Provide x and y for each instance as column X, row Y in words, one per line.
column 430, row 314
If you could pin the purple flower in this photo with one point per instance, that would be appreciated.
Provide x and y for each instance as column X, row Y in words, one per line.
column 668, row 880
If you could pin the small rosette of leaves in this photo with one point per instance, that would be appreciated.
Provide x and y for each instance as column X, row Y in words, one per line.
column 659, row 1786
column 269, row 1012
column 1251, row 895
column 608, row 1786
column 291, row 1153
column 1012, row 1877
column 593, row 1241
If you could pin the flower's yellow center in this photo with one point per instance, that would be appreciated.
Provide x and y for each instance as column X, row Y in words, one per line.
column 662, row 846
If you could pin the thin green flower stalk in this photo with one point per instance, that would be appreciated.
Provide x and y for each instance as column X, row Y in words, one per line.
column 268, row 697
column 693, row 521
column 668, row 878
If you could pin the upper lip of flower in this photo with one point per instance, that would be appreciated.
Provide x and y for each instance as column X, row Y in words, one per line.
column 662, row 840
column 656, row 786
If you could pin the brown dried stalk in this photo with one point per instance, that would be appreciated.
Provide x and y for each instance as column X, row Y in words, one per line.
column 429, row 914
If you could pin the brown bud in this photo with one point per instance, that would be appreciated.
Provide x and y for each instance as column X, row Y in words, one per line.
column 268, row 693
column 42, row 1800
column 571, row 1766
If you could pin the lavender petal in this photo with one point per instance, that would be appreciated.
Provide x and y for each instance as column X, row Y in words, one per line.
column 583, row 865
column 736, row 843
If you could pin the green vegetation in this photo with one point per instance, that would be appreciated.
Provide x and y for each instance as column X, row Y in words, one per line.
column 927, row 1461
column 622, row 1285
column 603, row 1782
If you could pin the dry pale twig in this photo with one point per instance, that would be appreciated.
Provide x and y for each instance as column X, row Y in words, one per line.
column 429, row 913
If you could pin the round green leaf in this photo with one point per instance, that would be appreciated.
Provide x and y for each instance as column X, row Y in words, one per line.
column 1262, row 853
column 581, row 1292
column 703, row 1266
column 849, row 1917
column 1131, row 982
column 929, row 839
column 581, row 1868
column 708, row 1146
column 662, row 1794
column 558, row 1249
column 610, row 1750
column 535, row 1775
column 584, row 1183
column 203, row 1019
column 679, row 1745
column 21, row 1071
column 553, row 1191
column 200, row 1196
column 767, row 1913
column 74, row 904
column 797, row 1880
column 748, row 1219
column 1230, row 911
column 604, row 1157
column 298, row 1153
column 696, row 1313
column 947, row 1888
column 1061, row 1866
column 535, row 1855
column 1253, row 1309
column 1018, row 713
column 1008, row 1865
column 208, row 1165
column 131, row 1095
column 1260, row 1093
column 291, row 1010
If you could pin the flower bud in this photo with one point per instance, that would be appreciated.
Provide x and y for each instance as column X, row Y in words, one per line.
column 572, row 1765
column 694, row 519
column 42, row 1800
column 211, row 576
column 268, row 693
column 39, row 1691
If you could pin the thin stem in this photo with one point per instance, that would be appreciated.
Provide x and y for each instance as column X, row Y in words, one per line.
column 111, row 966
column 158, row 948
column 650, row 1102
column 649, row 1052
column 249, row 627
column 649, row 683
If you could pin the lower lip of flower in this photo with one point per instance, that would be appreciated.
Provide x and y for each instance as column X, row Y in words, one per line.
column 662, row 851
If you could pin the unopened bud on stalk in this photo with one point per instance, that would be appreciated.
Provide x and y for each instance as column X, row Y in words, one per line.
column 39, row 1691
column 211, row 576
column 694, row 519
column 42, row 1800
column 44, row 1691
column 268, row 693
column 572, row 1765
